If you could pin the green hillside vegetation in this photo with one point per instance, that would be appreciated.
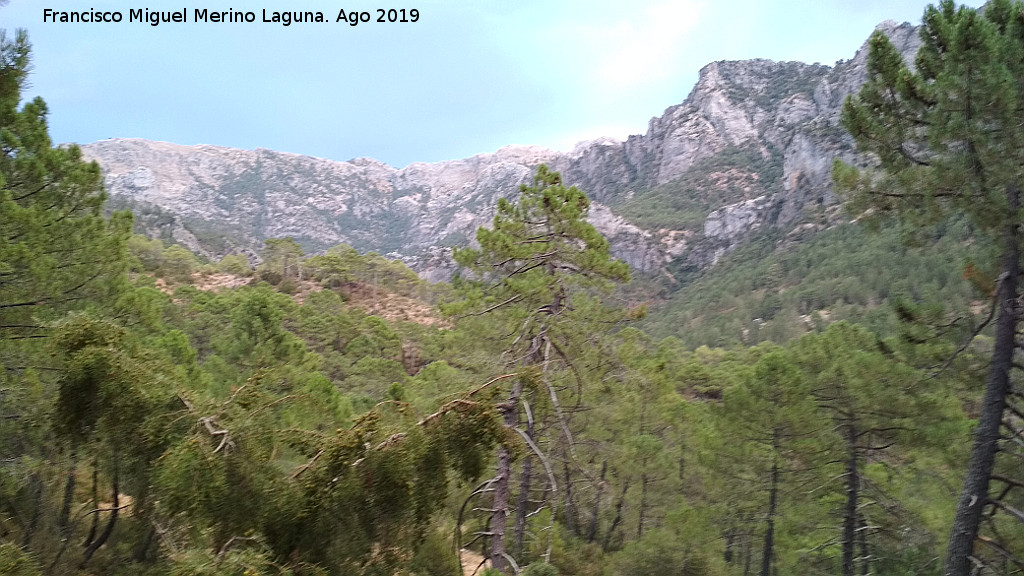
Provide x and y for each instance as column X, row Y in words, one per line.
column 806, row 407
column 155, row 222
column 732, row 175
column 775, row 289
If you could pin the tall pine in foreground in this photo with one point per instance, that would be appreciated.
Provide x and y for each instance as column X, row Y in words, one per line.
column 539, row 257
column 56, row 248
column 57, row 254
column 948, row 138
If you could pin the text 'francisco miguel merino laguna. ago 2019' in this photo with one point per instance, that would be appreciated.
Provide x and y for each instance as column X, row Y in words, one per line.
column 205, row 15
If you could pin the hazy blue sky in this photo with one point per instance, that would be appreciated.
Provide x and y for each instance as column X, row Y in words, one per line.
column 467, row 78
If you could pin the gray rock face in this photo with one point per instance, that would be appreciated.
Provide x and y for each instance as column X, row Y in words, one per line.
column 726, row 227
column 254, row 195
column 638, row 247
column 734, row 220
column 784, row 115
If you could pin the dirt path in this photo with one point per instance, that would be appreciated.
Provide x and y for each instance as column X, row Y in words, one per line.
column 472, row 563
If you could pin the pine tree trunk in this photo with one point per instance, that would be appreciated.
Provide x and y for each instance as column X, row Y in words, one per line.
column 974, row 496
column 95, row 524
column 570, row 506
column 141, row 513
column 499, row 514
column 850, row 516
column 865, row 551
column 592, row 532
column 618, row 517
column 111, row 520
column 36, row 489
column 64, row 520
column 748, row 554
column 644, row 481
column 769, row 533
column 499, row 510
column 522, row 506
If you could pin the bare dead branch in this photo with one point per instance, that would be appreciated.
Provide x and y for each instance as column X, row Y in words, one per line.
column 967, row 341
column 1009, row 510
column 511, row 300
column 231, row 541
column 1001, row 550
column 307, row 465
column 225, row 438
column 111, row 509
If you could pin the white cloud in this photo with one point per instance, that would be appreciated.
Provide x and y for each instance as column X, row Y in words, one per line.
column 641, row 48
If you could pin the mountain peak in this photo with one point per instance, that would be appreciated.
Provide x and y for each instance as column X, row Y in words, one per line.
column 750, row 147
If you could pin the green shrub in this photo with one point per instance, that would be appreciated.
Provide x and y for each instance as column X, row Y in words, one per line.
column 271, row 277
column 148, row 254
column 435, row 557
column 178, row 263
column 288, row 286
column 14, row 562
column 659, row 553
column 236, row 264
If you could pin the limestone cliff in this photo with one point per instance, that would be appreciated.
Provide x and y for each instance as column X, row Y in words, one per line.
column 750, row 148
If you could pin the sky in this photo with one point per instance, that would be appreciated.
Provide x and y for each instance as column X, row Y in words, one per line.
column 465, row 78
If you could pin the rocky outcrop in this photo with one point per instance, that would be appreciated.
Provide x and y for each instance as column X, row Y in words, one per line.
column 640, row 248
column 253, row 195
column 735, row 220
column 726, row 227
column 782, row 117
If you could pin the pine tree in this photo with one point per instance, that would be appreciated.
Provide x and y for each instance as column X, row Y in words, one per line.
column 763, row 440
column 56, row 248
column 538, row 256
column 58, row 253
column 878, row 406
column 282, row 256
column 947, row 139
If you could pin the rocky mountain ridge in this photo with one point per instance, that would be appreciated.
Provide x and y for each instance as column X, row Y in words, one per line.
column 750, row 147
